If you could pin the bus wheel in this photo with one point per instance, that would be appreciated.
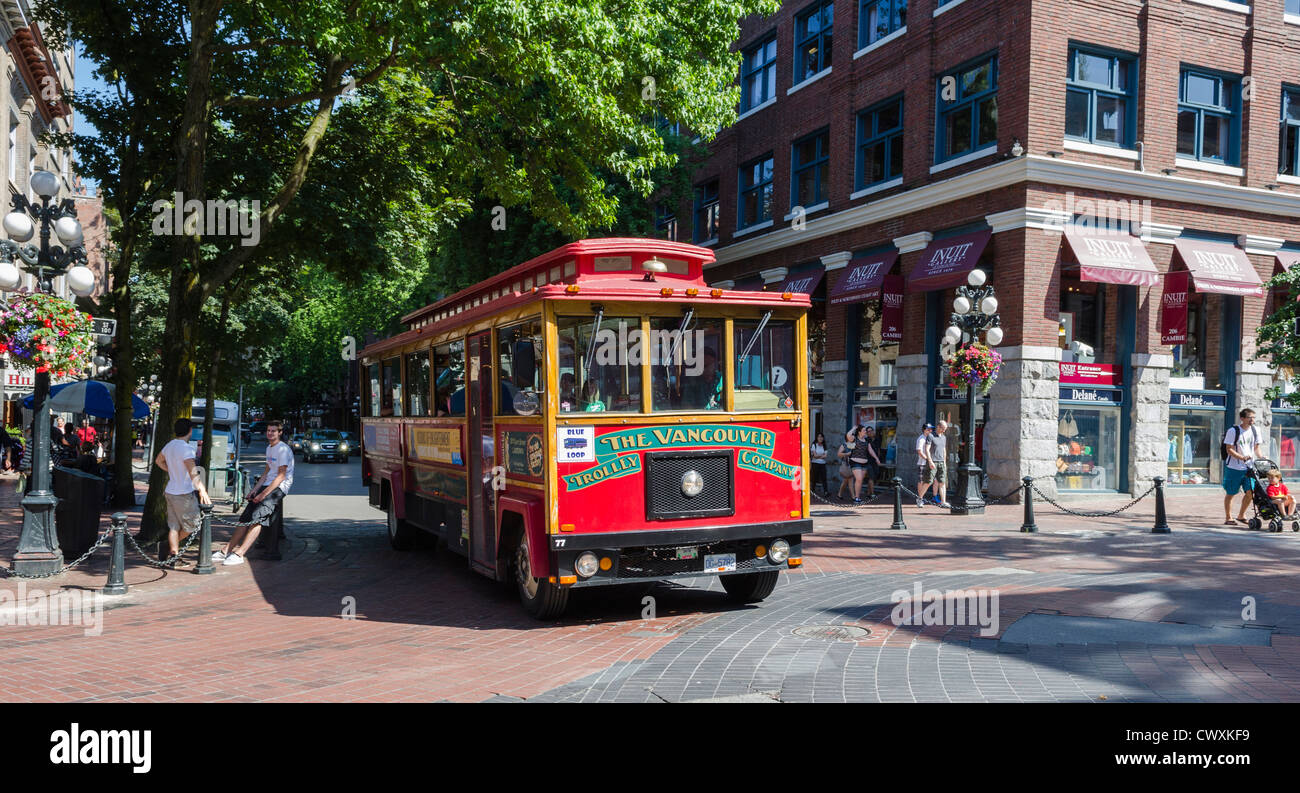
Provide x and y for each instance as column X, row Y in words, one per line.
column 401, row 535
column 542, row 599
column 750, row 587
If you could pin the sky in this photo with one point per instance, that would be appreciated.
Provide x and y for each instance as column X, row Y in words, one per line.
column 85, row 80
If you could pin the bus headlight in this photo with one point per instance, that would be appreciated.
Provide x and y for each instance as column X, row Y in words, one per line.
column 692, row 483
column 779, row 552
column 586, row 565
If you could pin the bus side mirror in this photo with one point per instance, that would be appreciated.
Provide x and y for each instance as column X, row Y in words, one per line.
column 525, row 362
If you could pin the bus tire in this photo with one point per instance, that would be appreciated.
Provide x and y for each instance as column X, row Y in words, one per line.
column 541, row 599
column 401, row 534
column 750, row 587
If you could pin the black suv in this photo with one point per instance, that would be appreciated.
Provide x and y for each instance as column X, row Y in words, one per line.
column 324, row 445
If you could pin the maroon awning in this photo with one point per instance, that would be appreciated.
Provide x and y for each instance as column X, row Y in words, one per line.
column 946, row 262
column 862, row 278
column 1219, row 267
column 803, row 282
column 1288, row 259
column 1111, row 258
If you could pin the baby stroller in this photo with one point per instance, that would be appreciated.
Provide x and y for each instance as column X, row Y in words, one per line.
column 1265, row 509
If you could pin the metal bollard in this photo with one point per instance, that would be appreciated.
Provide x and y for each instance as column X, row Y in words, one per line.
column 205, row 566
column 1162, row 526
column 898, row 505
column 1029, row 526
column 117, row 564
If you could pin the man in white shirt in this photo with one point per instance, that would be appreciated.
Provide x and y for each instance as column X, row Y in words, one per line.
column 1243, row 443
column 278, row 477
column 183, row 481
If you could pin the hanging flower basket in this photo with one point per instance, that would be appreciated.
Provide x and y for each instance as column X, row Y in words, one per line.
column 976, row 365
column 46, row 333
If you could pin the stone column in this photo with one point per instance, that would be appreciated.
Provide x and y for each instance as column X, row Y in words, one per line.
column 913, row 380
column 1253, row 378
column 1023, row 411
column 1148, row 450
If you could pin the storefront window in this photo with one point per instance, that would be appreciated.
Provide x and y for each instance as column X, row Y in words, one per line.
column 884, row 419
column 1284, row 442
column 1087, row 448
column 613, row 382
column 1189, row 358
column 1193, row 441
column 1083, row 333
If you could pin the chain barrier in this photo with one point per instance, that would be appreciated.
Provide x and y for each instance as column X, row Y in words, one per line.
column 1019, row 489
column 880, row 491
column 1065, row 509
column 162, row 563
column 103, row 538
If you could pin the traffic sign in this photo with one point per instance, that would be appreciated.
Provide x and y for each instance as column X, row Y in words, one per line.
column 103, row 327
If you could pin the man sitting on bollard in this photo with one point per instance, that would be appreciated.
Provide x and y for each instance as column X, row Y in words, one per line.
column 183, row 481
column 260, row 511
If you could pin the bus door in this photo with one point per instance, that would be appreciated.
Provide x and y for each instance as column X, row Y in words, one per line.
column 482, row 511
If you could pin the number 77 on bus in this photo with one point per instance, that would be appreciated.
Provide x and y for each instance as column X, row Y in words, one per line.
column 597, row 415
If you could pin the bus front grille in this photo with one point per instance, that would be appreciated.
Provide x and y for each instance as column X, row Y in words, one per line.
column 664, row 498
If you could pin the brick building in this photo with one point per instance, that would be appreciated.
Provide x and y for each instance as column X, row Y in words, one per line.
column 1076, row 151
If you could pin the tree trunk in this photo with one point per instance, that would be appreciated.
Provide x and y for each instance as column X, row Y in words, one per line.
column 210, row 393
column 123, row 381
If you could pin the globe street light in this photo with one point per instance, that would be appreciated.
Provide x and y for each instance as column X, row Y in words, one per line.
column 38, row 548
column 975, row 309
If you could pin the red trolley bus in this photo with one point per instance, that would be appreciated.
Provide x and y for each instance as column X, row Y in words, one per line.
column 597, row 415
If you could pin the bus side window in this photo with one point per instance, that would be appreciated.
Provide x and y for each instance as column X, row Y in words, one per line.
column 373, row 396
column 417, row 383
column 392, row 390
column 518, row 349
column 449, row 379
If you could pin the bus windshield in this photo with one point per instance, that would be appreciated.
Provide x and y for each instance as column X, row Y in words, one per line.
column 764, row 376
column 613, row 382
column 686, row 368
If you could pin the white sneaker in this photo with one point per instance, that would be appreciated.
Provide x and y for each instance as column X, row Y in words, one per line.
column 233, row 559
column 217, row 556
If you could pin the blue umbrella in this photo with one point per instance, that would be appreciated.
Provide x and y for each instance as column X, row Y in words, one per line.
column 92, row 397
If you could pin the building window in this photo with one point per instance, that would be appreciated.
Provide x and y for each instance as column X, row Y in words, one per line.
column 665, row 222
column 880, row 143
column 706, row 211
column 1293, row 7
column 812, row 41
column 755, row 193
column 879, row 18
column 810, row 166
column 13, row 150
column 968, row 109
column 1099, row 100
column 1207, row 117
column 1289, row 150
column 758, row 75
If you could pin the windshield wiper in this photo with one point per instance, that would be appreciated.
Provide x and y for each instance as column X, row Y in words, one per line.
column 677, row 341
column 762, row 323
column 590, row 356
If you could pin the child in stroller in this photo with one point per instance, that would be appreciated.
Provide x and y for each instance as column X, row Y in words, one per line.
column 1264, row 477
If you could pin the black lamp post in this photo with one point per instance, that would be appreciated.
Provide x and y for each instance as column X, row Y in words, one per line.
column 975, row 309
column 38, row 547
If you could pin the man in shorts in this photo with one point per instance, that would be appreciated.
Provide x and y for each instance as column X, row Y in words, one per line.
column 183, row 481
column 924, row 463
column 1244, row 443
column 260, row 511
column 939, row 464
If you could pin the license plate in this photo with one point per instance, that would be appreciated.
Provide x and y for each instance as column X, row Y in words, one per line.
column 691, row 552
column 719, row 563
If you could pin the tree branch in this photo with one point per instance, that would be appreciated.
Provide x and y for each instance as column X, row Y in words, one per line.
column 307, row 96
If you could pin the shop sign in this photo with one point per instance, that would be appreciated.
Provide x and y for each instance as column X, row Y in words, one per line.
column 946, row 261
column 1173, row 309
column 878, row 395
column 1100, row 396
column 891, row 308
column 1284, row 403
column 1184, row 399
column 1090, row 374
column 19, row 380
column 435, row 444
column 862, row 278
column 1219, row 267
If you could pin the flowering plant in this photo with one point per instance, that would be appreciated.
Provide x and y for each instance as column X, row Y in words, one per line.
column 46, row 333
column 975, row 364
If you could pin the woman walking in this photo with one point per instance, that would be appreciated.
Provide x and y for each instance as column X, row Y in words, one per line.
column 860, row 462
column 817, row 455
column 868, row 440
column 846, row 449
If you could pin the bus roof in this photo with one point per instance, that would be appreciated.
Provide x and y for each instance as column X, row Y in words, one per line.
column 595, row 269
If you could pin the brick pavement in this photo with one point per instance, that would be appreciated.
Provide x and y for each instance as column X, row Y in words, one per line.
column 427, row 629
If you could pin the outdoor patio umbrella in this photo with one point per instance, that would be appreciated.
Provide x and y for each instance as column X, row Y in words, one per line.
column 92, row 397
